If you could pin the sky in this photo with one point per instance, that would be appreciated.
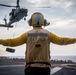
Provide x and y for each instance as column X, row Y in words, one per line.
column 62, row 18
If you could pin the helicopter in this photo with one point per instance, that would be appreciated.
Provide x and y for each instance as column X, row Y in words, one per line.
column 15, row 15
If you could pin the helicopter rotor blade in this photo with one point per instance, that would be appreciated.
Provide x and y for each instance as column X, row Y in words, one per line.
column 41, row 7
column 6, row 5
column 45, row 7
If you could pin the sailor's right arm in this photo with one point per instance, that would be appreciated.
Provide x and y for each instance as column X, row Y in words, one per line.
column 14, row 41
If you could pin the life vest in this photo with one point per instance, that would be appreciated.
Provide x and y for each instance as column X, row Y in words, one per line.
column 38, row 46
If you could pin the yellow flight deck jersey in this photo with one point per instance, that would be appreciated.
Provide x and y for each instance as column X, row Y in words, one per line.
column 37, row 45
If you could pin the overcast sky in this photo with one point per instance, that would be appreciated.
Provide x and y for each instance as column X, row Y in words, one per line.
column 62, row 18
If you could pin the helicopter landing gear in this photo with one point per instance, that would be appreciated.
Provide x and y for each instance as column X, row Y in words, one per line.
column 24, row 18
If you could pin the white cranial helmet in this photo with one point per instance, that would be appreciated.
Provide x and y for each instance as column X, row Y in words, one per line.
column 37, row 20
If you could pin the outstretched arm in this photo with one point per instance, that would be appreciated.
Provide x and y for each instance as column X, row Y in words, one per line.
column 15, row 41
column 61, row 40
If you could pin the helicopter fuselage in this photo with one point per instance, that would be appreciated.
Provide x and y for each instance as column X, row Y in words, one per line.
column 17, row 14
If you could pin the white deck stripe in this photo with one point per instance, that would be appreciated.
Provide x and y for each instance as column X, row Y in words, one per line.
column 55, row 69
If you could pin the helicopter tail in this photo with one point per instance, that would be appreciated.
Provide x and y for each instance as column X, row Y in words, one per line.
column 6, row 25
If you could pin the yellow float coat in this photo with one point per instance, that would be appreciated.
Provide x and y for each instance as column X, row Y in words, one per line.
column 37, row 44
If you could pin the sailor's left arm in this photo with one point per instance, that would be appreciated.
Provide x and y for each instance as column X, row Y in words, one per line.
column 61, row 40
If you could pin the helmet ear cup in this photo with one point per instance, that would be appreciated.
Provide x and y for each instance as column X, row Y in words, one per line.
column 30, row 22
column 45, row 22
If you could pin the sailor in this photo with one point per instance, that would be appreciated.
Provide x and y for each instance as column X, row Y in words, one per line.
column 37, row 55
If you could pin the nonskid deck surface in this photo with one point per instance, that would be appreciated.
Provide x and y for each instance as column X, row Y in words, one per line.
column 19, row 70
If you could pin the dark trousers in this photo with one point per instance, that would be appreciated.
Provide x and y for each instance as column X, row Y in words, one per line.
column 37, row 71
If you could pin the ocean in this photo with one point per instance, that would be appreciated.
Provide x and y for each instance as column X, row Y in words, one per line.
column 72, row 58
